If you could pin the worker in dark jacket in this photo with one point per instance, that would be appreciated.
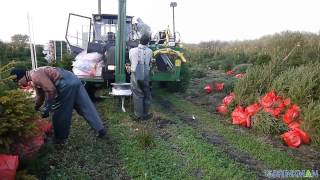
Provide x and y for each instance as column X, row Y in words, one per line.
column 60, row 91
column 140, row 58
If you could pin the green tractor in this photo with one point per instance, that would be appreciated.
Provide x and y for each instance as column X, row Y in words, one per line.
column 112, row 36
column 168, row 49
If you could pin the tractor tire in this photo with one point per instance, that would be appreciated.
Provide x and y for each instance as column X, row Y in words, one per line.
column 182, row 85
column 163, row 84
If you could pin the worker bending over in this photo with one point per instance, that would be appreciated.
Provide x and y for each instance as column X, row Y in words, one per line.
column 59, row 91
column 140, row 58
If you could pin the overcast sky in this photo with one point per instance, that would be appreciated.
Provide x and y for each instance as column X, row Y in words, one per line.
column 196, row 20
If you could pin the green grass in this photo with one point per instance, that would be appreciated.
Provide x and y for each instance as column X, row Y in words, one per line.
column 83, row 157
column 274, row 158
column 203, row 158
column 161, row 159
column 155, row 162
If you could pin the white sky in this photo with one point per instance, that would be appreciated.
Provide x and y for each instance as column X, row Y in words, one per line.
column 196, row 20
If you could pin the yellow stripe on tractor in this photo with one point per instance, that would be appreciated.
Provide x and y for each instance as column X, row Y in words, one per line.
column 170, row 52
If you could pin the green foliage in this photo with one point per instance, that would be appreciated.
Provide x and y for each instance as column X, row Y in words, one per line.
column 265, row 123
column 5, row 80
column 145, row 139
column 241, row 68
column 257, row 81
column 311, row 120
column 197, row 72
column 225, row 55
column 301, row 84
column 19, row 50
column 17, row 119
column 16, row 111
column 259, row 58
column 66, row 62
column 19, row 39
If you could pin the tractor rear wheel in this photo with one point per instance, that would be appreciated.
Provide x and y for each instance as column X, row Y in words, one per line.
column 182, row 85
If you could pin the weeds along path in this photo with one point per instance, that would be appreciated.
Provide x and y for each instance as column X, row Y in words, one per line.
column 242, row 146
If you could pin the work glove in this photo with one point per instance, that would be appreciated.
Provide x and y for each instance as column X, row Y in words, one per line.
column 37, row 107
column 48, row 105
column 45, row 114
column 47, row 108
column 56, row 105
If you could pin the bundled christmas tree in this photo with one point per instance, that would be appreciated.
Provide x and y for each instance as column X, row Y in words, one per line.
column 17, row 116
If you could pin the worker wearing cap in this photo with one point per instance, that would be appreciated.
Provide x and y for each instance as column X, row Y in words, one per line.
column 140, row 58
column 60, row 91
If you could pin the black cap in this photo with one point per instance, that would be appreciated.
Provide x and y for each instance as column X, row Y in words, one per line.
column 19, row 73
column 145, row 38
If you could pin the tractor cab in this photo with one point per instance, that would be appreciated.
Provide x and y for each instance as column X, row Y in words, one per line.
column 98, row 34
column 85, row 33
column 166, row 38
column 105, row 28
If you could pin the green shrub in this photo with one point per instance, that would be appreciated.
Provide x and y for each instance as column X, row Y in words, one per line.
column 17, row 115
column 311, row 121
column 17, row 119
column 301, row 84
column 241, row 68
column 217, row 54
column 260, row 58
column 265, row 123
column 197, row 72
column 5, row 80
column 66, row 62
column 257, row 81
column 214, row 64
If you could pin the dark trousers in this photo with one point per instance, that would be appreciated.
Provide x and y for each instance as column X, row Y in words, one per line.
column 72, row 95
column 141, row 96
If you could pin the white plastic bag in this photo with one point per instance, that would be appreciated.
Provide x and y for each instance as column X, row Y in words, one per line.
column 88, row 64
column 85, row 66
column 93, row 57
column 99, row 68
column 78, row 72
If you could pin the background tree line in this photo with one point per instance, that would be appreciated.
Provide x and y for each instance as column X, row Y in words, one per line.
column 18, row 50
